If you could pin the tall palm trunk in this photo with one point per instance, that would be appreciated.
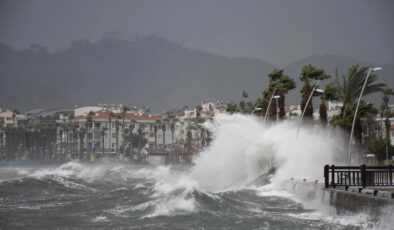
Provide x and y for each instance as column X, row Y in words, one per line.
column 139, row 142
column 387, row 126
column 61, row 141
column 358, row 130
column 281, row 103
column 264, row 106
column 172, row 141
column 306, row 92
column 102, row 143
column 155, row 130
column 163, row 128
column 323, row 113
column 109, row 134
column 117, row 139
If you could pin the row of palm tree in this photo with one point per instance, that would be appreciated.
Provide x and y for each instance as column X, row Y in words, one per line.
column 345, row 89
column 32, row 142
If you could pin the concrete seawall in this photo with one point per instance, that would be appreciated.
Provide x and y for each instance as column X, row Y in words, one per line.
column 372, row 202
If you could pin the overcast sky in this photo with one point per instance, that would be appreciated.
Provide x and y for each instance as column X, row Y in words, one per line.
column 275, row 31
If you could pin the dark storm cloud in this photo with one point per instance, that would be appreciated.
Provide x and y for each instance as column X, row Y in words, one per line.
column 276, row 31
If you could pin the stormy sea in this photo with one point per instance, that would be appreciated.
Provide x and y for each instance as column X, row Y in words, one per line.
column 235, row 183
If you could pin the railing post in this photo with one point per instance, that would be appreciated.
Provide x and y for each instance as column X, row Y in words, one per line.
column 333, row 176
column 391, row 174
column 363, row 175
column 326, row 176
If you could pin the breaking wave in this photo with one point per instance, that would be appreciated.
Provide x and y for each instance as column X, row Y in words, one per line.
column 235, row 176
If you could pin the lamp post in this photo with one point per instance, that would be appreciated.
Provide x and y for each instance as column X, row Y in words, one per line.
column 269, row 104
column 355, row 113
column 256, row 108
column 306, row 105
column 277, row 114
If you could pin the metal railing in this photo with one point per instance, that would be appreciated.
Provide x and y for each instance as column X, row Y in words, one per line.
column 358, row 176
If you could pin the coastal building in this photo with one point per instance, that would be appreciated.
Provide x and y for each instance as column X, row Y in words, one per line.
column 106, row 129
column 9, row 118
column 293, row 112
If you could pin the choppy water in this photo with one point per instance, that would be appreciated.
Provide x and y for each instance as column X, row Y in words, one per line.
column 231, row 186
column 78, row 196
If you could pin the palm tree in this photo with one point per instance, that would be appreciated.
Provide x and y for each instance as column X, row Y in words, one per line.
column 131, row 128
column 1, row 138
column 387, row 92
column 103, row 129
column 323, row 112
column 172, row 127
column 348, row 89
column 89, row 121
column 117, row 124
column 124, row 111
column 188, row 145
column 111, row 115
column 283, row 83
column 67, row 129
column 155, row 128
column 308, row 73
column 329, row 94
column 163, row 128
column 72, row 126
column 75, row 137
column 140, row 133
column 81, row 134
column 61, row 138
column 280, row 84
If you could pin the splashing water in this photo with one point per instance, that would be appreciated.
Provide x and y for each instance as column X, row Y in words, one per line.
column 245, row 148
column 231, row 185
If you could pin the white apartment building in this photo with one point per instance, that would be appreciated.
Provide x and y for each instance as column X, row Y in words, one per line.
column 8, row 118
column 102, row 124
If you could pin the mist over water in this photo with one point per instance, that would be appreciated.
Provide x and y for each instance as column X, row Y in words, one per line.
column 233, row 184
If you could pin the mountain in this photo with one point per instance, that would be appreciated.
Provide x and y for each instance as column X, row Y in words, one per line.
column 149, row 71
column 331, row 62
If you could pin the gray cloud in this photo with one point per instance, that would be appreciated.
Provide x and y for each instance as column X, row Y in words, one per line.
column 275, row 31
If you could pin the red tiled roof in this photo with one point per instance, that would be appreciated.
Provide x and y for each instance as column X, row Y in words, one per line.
column 104, row 114
column 392, row 127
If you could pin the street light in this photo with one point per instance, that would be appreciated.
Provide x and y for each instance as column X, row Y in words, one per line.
column 269, row 104
column 277, row 114
column 256, row 108
column 355, row 113
column 306, row 105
